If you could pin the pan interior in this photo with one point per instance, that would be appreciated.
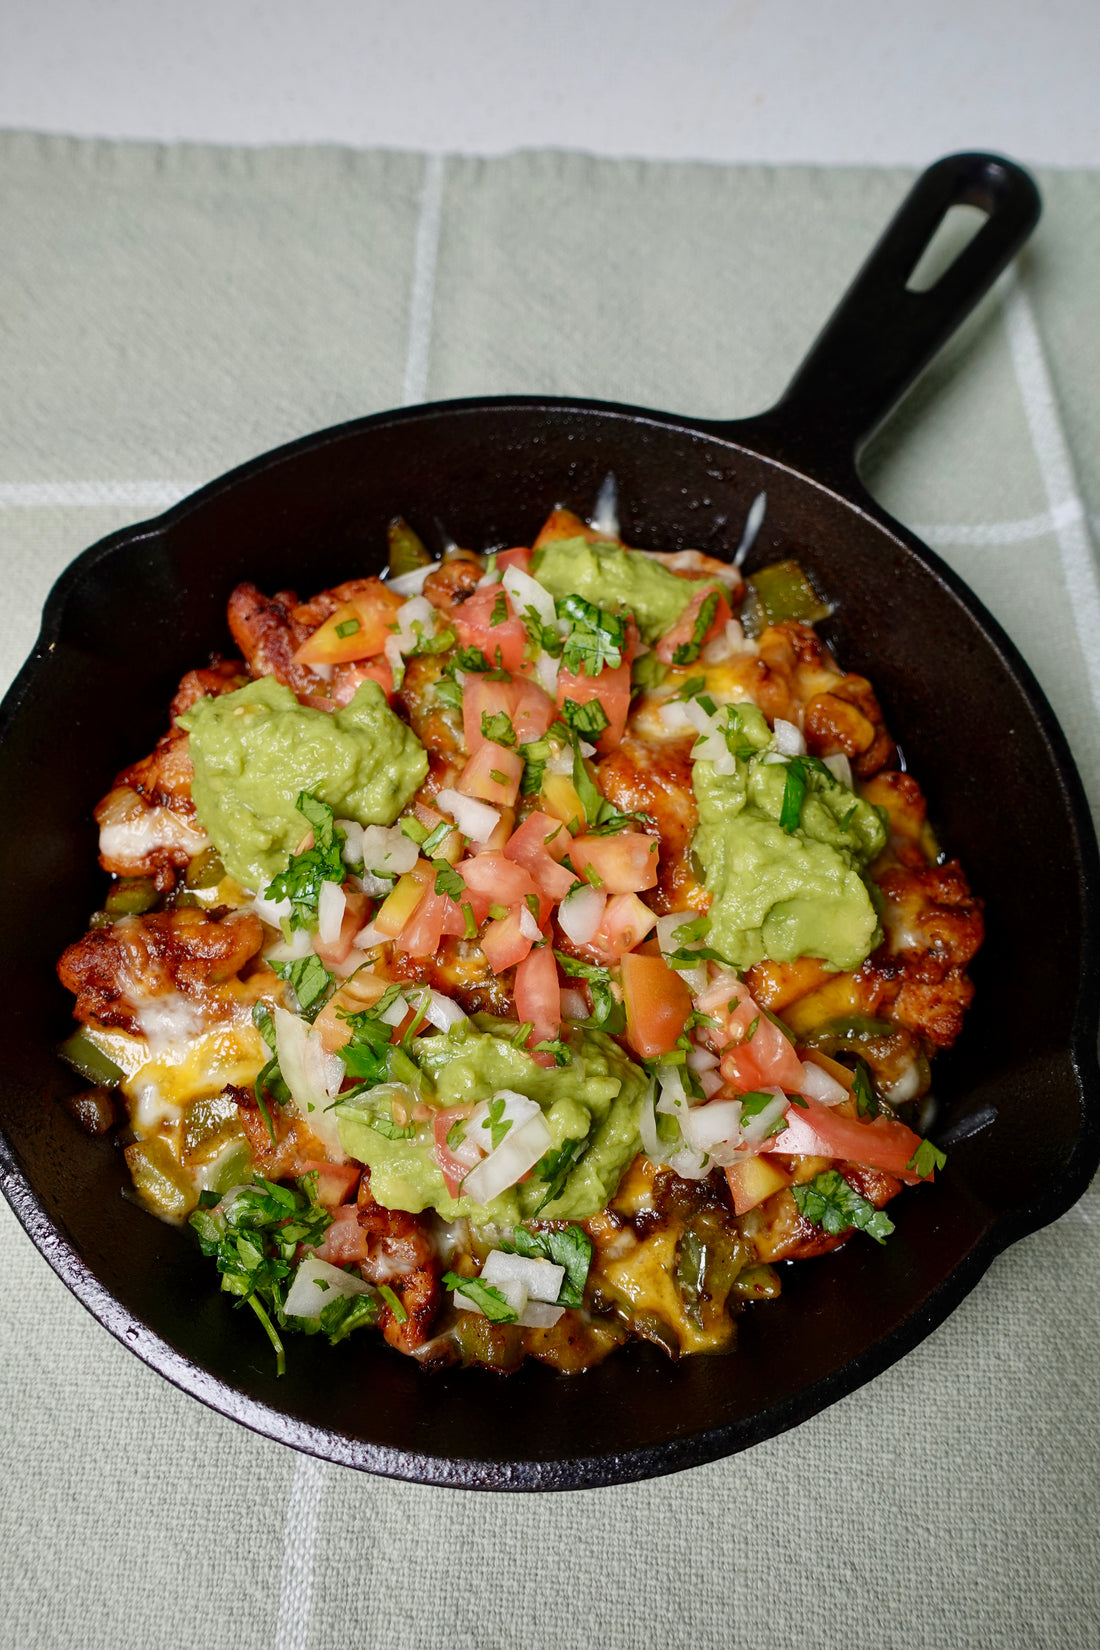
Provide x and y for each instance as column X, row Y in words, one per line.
column 134, row 615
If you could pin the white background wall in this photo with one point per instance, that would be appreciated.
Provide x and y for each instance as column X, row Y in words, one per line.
column 776, row 80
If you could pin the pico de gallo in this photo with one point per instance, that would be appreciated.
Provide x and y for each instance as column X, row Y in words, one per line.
column 522, row 953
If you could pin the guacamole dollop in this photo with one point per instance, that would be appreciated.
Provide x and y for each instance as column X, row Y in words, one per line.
column 610, row 576
column 596, row 1098
column 255, row 750
column 778, row 893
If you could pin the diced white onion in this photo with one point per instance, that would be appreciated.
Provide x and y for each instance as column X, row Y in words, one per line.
column 542, row 1279
column 386, row 849
column 674, row 717
column 352, row 850
column 330, row 912
column 704, row 1126
column 370, row 936
column 519, row 1151
column 443, row 1012
column 710, row 1082
column 561, row 761
column 514, row 1294
column 725, row 988
column 581, row 912
column 299, row 945
column 699, row 718
column 396, row 1012
column 486, row 579
column 756, row 1129
column 788, row 738
column 538, row 1315
column 411, row 584
column 475, row 819
column 820, row 1085
column 415, row 619
column 271, row 911
column 528, row 592
column 312, row 1075
column 667, row 926
column 546, row 672
column 840, row 768
column 701, row 1059
column 713, row 749
column 528, row 924
column 316, row 1283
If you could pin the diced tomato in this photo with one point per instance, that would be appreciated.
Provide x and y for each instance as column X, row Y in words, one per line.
column 421, row 934
column 492, row 774
column 499, row 881
column 355, row 915
column 611, row 687
column 626, row 920
column 527, row 707
column 767, row 1058
column 519, row 556
column 538, row 994
column 625, row 863
column 814, row 1130
column 538, row 845
column 336, row 1182
column 754, row 1180
column 348, row 680
column 345, row 1241
column 682, row 632
column 502, row 643
column 504, row 942
column 371, row 612
column 453, row 1169
column 657, row 1004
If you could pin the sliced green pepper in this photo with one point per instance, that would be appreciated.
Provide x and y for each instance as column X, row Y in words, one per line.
column 89, row 1060
column 779, row 593
column 407, row 551
column 131, row 897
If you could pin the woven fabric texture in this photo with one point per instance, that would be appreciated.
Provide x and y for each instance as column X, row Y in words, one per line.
column 166, row 313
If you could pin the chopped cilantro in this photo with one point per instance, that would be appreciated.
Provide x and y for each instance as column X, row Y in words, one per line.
column 306, row 873
column 554, row 1046
column 435, row 839
column 348, row 628
column 449, row 693
column 498, row 727
column 693, row 685
column 866, row 1103
column 926, row 1158
column 310, row 981
column 497, row 777
column 390, row 1297
column 447, row 880
column 469, row 658
column 554, row 1169
column 589, row 719
column 607, row 1012
column 439, row 643
column 568, row 1246
column 500, row 611
column 794, row 794
column 522, row 1032
column 498, row 1123
column 389, row 1130
column 688, row 652
column 596, row 639
column 468, row 918
column 829, row 1202
column 490, row 1300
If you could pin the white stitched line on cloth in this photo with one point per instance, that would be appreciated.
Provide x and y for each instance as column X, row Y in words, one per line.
column 299, row 1542
column 422, row 296
column 1056, row 470
column 1002, row 532
column 32, row 495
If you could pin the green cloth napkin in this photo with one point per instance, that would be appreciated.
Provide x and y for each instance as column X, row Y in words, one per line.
column 168, row 312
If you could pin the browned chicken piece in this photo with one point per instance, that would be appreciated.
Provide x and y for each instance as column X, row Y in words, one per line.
column 401, row 1254
column 147, row 819
column 840, row 712
column 221, row 676
column 294, row 1149
column 933, row 926
column 116, row 971
column 437, row 726
column 268, row 635
column 657, row 781
column 779, row 1232
column 451, row 583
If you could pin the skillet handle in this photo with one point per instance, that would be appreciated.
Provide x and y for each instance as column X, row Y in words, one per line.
column 882, row 334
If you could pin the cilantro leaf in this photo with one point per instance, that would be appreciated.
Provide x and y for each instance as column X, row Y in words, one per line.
column 310, row 981
column 447, row 880
column 688, row 652
column 396, row 1307
column 500, row 611
column 926, row 1158
column 794, row 794
column 589, row 719
column 693, row 685
column 554, row 1169
column 490, row 1300
column 568, row 1246
column 554, row 1045
column 449, row 693
column 596, row 639
column 829, row 1202
column 469, row 658
column 498, row 727
column 866, row 1103
column 498, row 1123
column 608, row 1013
column 307, row 872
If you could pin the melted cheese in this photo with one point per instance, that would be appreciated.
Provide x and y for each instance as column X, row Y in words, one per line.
column 132, row 839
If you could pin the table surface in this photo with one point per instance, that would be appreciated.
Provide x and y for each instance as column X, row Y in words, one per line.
column 850, row 83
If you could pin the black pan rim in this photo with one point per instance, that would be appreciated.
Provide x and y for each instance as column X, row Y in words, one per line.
column 751, row 437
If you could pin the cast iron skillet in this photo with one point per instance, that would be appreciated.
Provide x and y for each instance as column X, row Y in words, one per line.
column 1019, row 1097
